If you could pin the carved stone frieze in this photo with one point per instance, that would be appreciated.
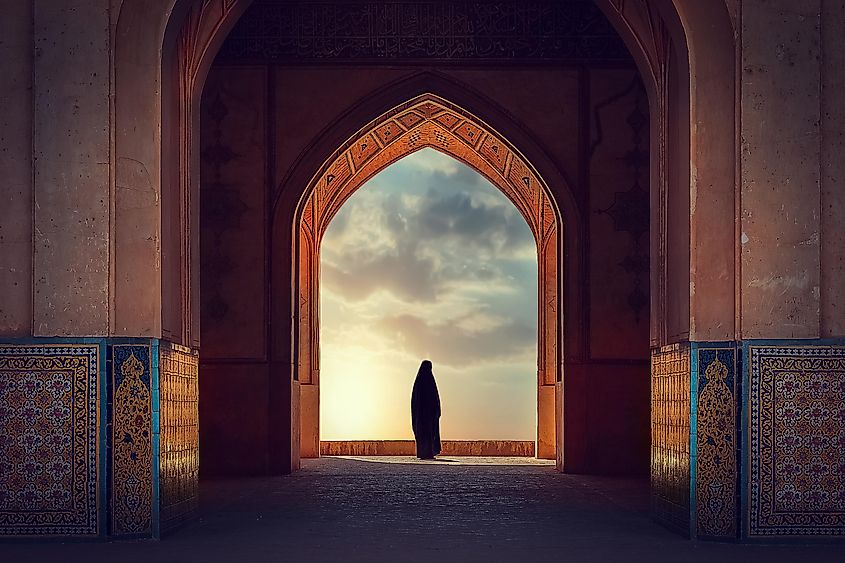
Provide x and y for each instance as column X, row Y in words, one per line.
column 307, row 31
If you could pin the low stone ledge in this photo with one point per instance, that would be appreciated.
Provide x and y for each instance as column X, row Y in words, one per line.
column 486, row 448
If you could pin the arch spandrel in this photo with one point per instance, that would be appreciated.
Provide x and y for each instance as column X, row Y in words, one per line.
column 428, row 121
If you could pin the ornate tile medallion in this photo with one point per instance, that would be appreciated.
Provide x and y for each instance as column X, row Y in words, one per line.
column 132, row 455
column 48, row 440
column 716, row 444
column 797, row 441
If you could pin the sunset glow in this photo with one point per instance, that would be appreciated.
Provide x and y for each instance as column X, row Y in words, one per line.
column 428, row 260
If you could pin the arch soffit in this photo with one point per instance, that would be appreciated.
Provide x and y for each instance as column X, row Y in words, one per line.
column 428, row 121
column 653, row 29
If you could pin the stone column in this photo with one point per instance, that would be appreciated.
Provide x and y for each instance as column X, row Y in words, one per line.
column 71, row 171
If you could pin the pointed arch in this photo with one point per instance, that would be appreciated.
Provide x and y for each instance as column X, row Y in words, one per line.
column 428, row 121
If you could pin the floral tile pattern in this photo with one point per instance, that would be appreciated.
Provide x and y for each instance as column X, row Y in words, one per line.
column 48, row 440
column 797, row 439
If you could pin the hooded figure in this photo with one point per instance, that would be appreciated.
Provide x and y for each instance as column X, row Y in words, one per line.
column 425, row 413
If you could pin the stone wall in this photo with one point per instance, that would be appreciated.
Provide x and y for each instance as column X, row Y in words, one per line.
column 16, row 163
column 791, row 215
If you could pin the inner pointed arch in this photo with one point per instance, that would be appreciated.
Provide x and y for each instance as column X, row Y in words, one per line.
column 428, row 121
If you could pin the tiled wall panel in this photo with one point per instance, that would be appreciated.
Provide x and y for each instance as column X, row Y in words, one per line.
column 178, row 368
column 716, row 442
column 670, row 432
column 131, row 440
column 796, row 404
column 49, row 432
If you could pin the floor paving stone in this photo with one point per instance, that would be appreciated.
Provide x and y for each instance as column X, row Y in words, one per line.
column 401, row 509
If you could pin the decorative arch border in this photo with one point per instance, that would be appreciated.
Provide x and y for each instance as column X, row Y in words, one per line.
column 429, row 121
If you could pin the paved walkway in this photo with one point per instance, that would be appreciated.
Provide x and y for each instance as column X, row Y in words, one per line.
column 398, row 509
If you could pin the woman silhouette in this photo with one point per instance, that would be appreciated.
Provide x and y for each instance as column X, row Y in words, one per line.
column 425, row 413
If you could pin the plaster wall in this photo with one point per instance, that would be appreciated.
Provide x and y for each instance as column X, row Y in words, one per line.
column 676, row 315
column 712, row 177
column 71, row 169
column 606, row 413
column 234, row 421
column 546, row 103
column 138, row 188
column 234, row 361
column 833, row 169
column 781, row 169
column 16, row 168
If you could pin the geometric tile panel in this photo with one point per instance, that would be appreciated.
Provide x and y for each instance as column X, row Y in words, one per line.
column 716, row 480
column 132, row 441
column 179, row 388
column 670, row 431
column 48, row 440
column 797, row 441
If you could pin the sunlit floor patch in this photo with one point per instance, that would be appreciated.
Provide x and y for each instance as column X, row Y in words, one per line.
column 453, row 460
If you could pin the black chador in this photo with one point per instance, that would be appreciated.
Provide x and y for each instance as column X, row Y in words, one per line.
column 425, row 413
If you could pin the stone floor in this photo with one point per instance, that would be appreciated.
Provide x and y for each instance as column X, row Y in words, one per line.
column 399, row 509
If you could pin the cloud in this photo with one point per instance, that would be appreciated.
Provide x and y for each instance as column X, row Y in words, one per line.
column 432, row 161
column 457, row 343
column 420, row 235
column 408, row 278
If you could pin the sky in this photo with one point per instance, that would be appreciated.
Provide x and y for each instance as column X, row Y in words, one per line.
column 428, row 260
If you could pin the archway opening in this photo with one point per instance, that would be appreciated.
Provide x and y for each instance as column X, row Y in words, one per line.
column 584, row 124
column 428, row 260
column 428, row 121
column 660, row 48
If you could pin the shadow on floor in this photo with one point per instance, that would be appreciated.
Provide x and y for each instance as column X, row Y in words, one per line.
column 356, row 510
